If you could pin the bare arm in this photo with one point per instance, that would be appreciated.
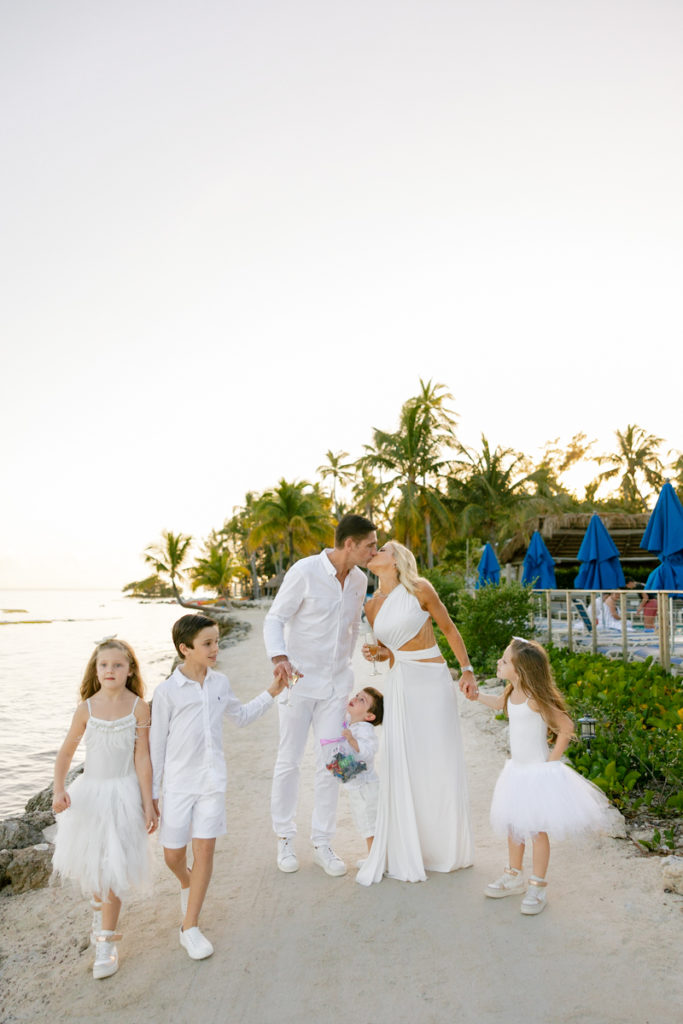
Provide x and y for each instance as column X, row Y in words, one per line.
column 496, row 702
column 60, row 798
column 143, row 764
column 432, row 603
column 563, row 726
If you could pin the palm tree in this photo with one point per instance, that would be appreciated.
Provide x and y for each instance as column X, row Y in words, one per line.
column 492, row 490
column 216, row 569
column 636, row 463
column 295, row 516
column 410, row 463
column 168, row 556
column 341, row 473
column 236, row 531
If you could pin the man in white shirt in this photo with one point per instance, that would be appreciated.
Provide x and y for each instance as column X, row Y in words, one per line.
column 312, row 629
column 186, row 746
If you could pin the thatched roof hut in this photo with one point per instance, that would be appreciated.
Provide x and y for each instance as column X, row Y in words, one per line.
column 563, row 535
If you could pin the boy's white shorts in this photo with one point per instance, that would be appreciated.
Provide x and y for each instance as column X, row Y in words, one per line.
column 186, row 816
column 364, row 802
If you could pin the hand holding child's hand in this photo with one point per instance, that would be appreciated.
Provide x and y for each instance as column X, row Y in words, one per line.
column 60, row 801
column 279, row 681
column 347, row 734
column 151, row 819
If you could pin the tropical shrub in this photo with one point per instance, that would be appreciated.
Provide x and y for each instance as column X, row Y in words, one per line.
column 637, row 754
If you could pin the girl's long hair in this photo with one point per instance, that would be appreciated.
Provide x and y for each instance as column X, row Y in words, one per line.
column 91, row 683
column 536, row 677
column 406, row 566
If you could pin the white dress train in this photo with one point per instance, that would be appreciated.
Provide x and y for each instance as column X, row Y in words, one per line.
column 423, row 822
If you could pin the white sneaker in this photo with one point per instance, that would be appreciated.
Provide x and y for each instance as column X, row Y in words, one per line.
column 329, row 861
column 106, row 955
column 535, row 900
column 286, row 858
column 510, row 883
column 197, row 945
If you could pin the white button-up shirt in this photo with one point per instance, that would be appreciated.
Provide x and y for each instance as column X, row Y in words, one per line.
column 315, row 622
column 186, row 737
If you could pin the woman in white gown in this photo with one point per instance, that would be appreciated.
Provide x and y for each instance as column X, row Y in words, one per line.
column 423, row 822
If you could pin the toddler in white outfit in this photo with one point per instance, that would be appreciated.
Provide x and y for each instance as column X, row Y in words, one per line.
column 363, row 713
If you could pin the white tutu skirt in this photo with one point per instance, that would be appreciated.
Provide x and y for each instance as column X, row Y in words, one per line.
column 102, row 843
column 546, row 797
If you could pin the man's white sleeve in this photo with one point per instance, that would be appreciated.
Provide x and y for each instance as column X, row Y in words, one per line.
column 286, row 604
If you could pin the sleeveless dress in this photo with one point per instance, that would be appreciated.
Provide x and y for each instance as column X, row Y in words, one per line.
column 101, row 841
column 533, row 794
column 423, row 823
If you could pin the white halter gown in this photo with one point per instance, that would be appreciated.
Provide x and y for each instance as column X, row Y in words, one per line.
column 423, row 822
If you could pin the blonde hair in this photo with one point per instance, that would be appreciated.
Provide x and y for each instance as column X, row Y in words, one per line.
column 91, row 683
column 406, row 566
column 532, row 665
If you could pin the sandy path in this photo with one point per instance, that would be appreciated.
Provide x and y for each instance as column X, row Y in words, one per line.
column 305, row 947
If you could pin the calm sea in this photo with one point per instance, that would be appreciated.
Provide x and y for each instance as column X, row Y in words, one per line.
column 46, row 639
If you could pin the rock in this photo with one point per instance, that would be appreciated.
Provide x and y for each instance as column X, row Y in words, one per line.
column 30, row 868
column 43, row 801
column 17, row 833
column 616, row 824
column 5, row 859
column 672, row 874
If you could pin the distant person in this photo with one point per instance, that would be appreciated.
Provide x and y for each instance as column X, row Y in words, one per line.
column 648, row 606
column 607, row 613
column 364, row 713
column 536, row 794
column 189, row 765
column 104, row 818
column 312, row 627
column 423, row 823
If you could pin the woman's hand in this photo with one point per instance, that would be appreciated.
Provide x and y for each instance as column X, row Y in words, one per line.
column 60, row 801
column 151, row 819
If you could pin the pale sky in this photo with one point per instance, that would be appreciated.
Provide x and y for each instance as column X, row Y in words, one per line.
column 235, row 235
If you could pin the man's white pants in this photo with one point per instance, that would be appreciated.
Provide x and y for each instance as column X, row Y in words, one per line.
column 296, row 718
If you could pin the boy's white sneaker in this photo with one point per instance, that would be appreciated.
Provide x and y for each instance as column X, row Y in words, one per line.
column 329, row 861
column 286, row 858
column 197, row 945
column 510, row 883
column 106, row 955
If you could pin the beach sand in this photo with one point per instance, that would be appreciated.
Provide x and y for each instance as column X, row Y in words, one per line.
column 307, row 948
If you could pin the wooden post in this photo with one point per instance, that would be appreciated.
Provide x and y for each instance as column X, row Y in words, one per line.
column 624, row 637
column 549, row 611
column 594, row 620
column 663, row 623
column 570, row 634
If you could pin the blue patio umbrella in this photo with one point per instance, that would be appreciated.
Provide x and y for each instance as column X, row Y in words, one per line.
column 664, row 536
column 601, row 569
column 539, row 565
column 488, row 568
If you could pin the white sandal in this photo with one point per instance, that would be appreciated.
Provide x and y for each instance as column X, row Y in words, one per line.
column 510, row 883
column 536, row 899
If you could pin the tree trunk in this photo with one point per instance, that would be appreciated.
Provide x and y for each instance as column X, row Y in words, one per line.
column 255, row 585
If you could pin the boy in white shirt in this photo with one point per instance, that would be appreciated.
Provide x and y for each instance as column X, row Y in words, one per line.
column 364, row 712
column 186, row 745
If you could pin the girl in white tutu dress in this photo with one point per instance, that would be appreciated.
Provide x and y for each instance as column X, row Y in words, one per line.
column 103, row 820
column 536, row 793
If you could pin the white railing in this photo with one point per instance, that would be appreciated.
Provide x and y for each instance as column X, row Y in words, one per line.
column 568, row 616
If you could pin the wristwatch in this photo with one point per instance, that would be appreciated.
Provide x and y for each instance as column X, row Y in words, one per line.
column 466, row 668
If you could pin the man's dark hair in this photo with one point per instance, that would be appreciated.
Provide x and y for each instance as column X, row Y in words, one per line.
column 355, row 527
column 186, row 629
column 377, row 708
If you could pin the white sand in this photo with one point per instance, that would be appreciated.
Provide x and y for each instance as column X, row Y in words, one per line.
column 308, row 948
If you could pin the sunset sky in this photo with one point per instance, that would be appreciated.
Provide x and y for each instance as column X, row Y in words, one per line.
column 235, row 236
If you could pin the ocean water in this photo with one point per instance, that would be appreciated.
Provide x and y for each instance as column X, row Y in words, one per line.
column 46, row 639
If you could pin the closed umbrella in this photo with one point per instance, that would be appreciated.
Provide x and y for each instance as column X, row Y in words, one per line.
column 539, row 565
column 488, row 568
column 664, row 536
column 601, row 569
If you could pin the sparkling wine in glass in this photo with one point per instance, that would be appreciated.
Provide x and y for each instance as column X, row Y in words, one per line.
column 373, row 648
column 292, row 680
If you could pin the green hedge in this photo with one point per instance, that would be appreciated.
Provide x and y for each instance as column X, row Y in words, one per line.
column 637, row 754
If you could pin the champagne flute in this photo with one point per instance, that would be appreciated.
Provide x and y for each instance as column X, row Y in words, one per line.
column 292, row 679
column 373, row 648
